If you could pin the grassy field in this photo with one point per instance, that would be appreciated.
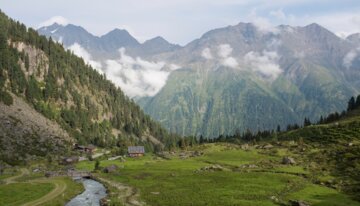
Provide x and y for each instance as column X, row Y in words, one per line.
column 182, row 182
column 20, row 193
column 32, row 188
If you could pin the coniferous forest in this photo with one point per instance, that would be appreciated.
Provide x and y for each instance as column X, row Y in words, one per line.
column 72, row 93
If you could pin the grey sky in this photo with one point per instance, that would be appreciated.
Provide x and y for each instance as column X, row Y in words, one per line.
column 181, row 21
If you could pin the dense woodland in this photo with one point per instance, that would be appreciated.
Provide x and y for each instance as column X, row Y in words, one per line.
column 87, row 105
column 248, row 136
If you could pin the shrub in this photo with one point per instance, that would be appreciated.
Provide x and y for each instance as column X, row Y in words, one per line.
column 6, row 98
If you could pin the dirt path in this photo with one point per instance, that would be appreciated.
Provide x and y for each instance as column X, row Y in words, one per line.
column 12, row 179
column 59, row 189
column 127, row 195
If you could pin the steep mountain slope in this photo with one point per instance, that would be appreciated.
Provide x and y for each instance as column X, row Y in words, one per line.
column 282, row 75
column 65, row 90
column 216, row 102
column 311, row 79
column 24, row 133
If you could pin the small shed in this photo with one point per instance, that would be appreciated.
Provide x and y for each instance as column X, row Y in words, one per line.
column 69, row 160
column 136, row 151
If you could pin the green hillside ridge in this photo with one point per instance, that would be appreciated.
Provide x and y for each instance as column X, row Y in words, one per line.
column 61, row 87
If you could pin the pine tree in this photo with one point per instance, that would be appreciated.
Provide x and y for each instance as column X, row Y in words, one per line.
column 278, row 129
column 351, row 104
column 357, row 104
column 201, row 140
column 307, row 122
column 27, row 63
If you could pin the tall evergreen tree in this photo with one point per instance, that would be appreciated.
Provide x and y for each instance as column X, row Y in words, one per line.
column 351, row 104
column 357, row 103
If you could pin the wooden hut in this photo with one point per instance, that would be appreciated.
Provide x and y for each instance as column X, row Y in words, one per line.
column 136, row 151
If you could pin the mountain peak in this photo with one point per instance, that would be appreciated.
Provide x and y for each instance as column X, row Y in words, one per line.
column 157, row 39
column 118, row 32
column 314, row 26
column 118, row 38
column 317, row 31
column 354, row 37
column 51, row 27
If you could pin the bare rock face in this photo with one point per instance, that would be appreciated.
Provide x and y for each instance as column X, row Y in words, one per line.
column 110, row 169
column 212, row 168
column 38, row 61
column 25, row 133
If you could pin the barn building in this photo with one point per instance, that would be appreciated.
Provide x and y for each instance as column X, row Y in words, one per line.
column 136, row 151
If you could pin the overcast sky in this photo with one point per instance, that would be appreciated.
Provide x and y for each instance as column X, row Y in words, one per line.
column 181, row 21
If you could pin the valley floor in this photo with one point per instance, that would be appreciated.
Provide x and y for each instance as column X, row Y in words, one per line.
column 208, row 174
column 216, row 174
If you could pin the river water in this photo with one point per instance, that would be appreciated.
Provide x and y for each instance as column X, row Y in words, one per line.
column 94, row 192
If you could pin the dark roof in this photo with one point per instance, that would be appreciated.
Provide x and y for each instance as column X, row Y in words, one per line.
column 136, row 149
column 91, row 146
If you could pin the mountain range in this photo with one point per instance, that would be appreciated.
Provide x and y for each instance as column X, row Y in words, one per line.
column 230, row 79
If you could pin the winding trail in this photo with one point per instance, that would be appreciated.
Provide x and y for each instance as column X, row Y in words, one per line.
column 59, row 189
column 127, row 194
column 12, row 179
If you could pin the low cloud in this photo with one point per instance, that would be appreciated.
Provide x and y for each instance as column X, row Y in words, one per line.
column 350, row 57
column 299, row 54
column 55, row 19
column 225, row 58
column 262, row 24
column 224, row 50
column 81, row 52
column 206, row 53
column 138, row 77
column 264, row 63
column 230, row 62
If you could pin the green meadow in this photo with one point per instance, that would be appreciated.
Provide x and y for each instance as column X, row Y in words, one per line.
column 20, row 193
column 178, row 181
column 33, row 187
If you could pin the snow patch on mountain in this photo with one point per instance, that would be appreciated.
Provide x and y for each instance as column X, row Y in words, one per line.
column 55, row 19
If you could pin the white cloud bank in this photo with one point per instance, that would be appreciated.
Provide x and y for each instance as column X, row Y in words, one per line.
column 206, row 53
column 81, row 52
column 262, row 24
column 350, row 57
column 55, row 19
column 264, row 63
column 135, row 76
column 224, row 53
column 138, row 77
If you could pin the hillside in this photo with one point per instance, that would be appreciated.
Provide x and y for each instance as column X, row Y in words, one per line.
column 327, row 150
column 333, row 148
column 68, row 93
